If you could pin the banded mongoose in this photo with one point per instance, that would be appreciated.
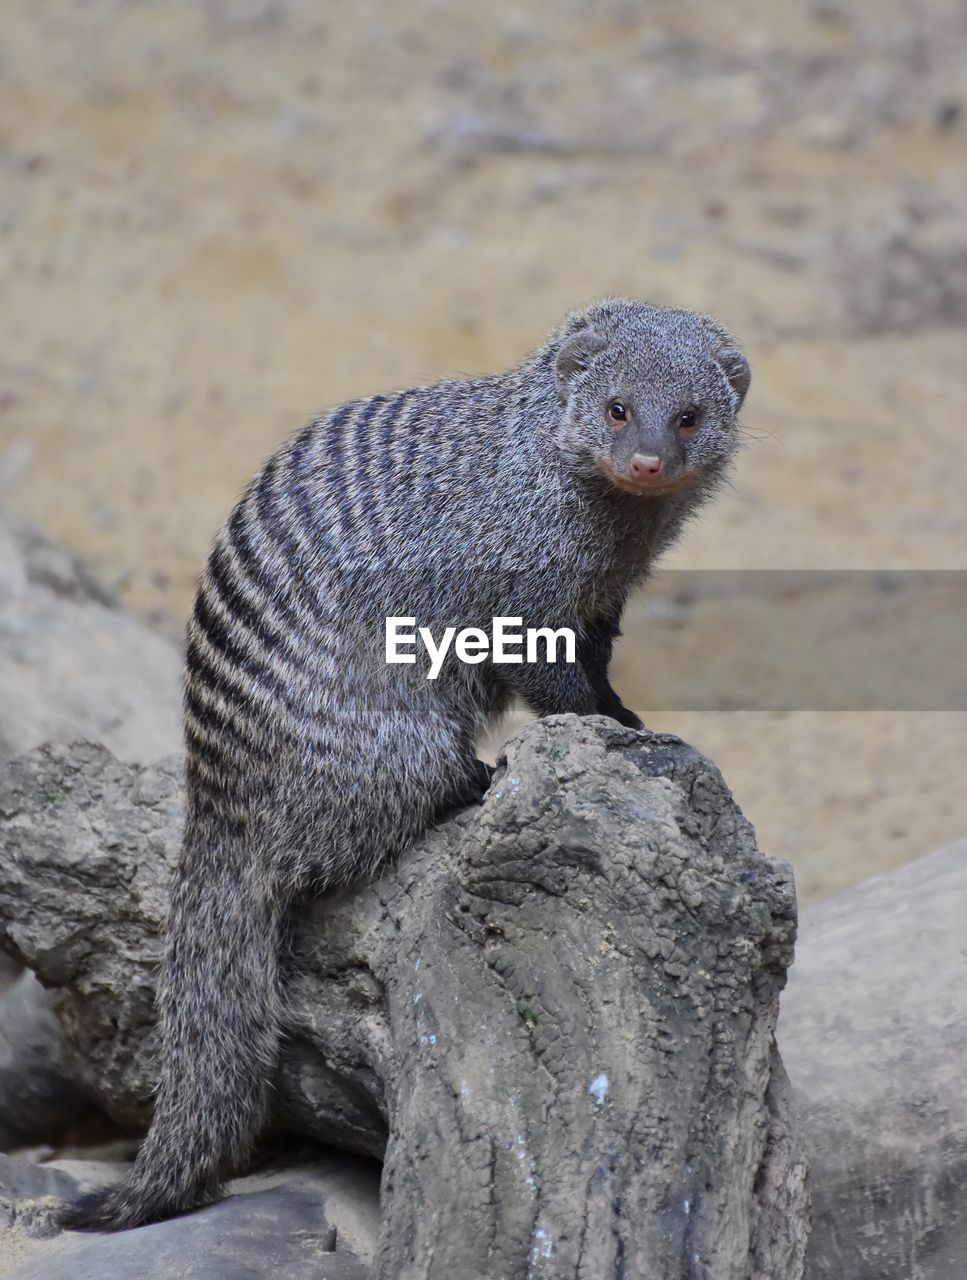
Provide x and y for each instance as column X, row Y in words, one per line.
column 543, row 493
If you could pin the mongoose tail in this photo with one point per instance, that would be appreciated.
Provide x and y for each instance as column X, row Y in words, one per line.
column 220, row 1016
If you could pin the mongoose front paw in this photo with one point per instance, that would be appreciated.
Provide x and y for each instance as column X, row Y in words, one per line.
column 612, row 706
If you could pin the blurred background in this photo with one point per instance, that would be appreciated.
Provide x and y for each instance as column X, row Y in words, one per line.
column 220, row 216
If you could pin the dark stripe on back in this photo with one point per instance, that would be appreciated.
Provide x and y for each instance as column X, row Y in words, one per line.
column 201, row 669
column 378, row 480
column 392, row 516
column 256, row 571
column 231, row 729
column 335, row 473
column 413, row 444
column 242, row 607
column 364, row 438
column 264, row 491
column 222, row 642
column 391, row 417
column 272, row 523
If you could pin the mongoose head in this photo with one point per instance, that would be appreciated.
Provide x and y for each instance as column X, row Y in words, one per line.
column 648, row 395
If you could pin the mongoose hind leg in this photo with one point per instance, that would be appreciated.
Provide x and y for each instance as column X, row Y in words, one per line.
column 469, row 790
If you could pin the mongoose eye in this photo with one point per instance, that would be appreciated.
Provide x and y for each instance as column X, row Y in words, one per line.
column 618, row 413
column 688, row 419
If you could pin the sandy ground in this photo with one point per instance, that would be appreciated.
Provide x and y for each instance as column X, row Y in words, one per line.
column 218, row 217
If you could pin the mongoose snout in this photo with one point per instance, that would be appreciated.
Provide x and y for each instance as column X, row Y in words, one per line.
column 646, row 476
column 646, row 468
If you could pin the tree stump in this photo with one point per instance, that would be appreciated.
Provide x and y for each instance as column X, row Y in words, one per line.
column 554, row 1019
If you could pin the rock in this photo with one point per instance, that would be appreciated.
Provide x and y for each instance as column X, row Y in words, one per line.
column 282, row 1223
column 9, row 972
column 874, row 1035
column 74, row 665
column 123, row 831
column 28, row 1192
column 39, row 1094
column 555, row 1015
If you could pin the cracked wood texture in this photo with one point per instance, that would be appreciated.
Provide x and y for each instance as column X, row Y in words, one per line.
column 554, row 1019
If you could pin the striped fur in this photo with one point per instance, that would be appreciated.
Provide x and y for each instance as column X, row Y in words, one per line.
column 310, row 762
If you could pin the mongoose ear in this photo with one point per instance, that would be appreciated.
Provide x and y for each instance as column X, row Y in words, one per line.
column 574, row 356
column 736, row 369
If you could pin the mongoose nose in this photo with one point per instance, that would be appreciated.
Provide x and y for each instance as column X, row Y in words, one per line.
column 646, row 466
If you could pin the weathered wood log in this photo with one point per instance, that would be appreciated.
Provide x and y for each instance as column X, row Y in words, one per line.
column 555, row 1017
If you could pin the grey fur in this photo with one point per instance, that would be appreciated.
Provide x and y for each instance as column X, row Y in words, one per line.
column 310, row 761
